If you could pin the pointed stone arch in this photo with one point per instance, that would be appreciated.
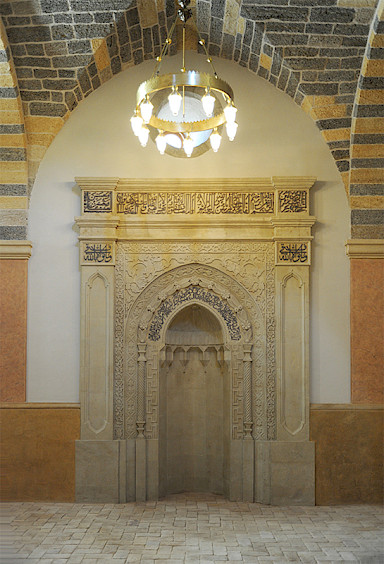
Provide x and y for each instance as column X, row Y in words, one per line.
column 242, row 323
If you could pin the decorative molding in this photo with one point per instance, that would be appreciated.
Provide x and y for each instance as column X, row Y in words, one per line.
column 346, row 407
column 302, row 182
column 96, row 183
column 365, row 248
column 15, row 250
column 6, row 405
column 194, row 184
column 307, row 221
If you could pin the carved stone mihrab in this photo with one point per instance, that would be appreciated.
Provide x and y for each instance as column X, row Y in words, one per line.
column 147, row 274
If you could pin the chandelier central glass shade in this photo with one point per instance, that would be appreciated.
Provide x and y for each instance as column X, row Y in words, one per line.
column 181, row 111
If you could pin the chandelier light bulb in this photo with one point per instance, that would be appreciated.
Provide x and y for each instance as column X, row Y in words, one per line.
column 215, row 140
column 188, row 145
column 161, row 142
column 143, row 136
column 230, row 113
column 231, row 128
column 208, row 102
column 146, row 108
column 175, row 99
column 136, row 123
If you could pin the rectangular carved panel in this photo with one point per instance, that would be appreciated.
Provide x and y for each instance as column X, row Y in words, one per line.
column 97, row 353
column 292, row 339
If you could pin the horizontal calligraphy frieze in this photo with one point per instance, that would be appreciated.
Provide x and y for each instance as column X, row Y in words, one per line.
column 291, row 252
column 194, row 203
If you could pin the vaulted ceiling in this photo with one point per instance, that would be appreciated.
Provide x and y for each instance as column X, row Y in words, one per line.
column 328, row 56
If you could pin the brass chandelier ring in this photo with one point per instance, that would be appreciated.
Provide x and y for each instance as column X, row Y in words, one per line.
column 189, row 78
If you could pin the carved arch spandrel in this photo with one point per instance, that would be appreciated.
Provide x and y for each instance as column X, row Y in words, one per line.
column 216, row 297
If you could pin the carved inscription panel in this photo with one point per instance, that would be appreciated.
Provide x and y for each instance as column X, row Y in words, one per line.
column 194, row 203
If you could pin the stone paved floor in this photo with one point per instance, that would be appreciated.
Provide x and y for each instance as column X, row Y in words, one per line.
column 188, row 529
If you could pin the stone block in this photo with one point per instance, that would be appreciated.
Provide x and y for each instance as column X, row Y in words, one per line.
column 62, row 31
column 59, row 84
column 35, row 49
column 98, row 471
column 317, row 88
column 8, row 92
column 367, row 217
column 35, row 62
column 83, row 18
column 47, row 109
column 282, row 13
column 285, row 472
column 63, row 18
column 13, row 190
column 42, row 20
column 367, row 175
column 29, row 34
column 329, row 14
column 367, row 189
column 70, row 61
column 49, row 6
column 13, row 232
column 84, row 31
column 132, row 17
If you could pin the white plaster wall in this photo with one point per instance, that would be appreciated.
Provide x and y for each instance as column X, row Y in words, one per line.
column 275, row 137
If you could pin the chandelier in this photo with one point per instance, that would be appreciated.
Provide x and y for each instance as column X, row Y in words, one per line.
column 182, row 111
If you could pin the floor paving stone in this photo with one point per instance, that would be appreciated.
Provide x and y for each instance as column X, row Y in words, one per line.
column 190, row 528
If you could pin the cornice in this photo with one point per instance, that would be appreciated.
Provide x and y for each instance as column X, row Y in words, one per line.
column 295, row 221
column 19, row 250
column 281, row 182
column 97, row 221
column 365, row 248
column 6, row 405
column 194, row 184
column 96, row 182
column 346, row 407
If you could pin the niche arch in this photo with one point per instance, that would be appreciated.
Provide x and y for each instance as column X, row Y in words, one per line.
column 194, row 414
column 210, row 284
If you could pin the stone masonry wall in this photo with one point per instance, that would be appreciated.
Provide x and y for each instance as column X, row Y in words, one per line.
column 65, row 49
